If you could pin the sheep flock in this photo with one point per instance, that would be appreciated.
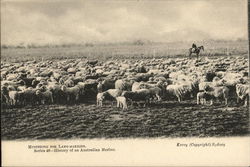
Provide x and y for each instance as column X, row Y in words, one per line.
column 126, row 82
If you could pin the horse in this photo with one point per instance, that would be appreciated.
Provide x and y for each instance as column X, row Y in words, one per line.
column 197, row 51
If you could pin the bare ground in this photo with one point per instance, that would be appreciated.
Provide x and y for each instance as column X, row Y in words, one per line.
column 165, row 119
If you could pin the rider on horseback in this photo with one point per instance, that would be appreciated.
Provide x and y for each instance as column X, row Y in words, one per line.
column 194, row 47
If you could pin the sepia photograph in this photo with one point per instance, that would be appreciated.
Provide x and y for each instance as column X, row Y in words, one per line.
column 123, row 70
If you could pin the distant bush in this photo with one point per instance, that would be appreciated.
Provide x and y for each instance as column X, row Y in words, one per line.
column 4, row 46
column 138, row 42
column 89, row 44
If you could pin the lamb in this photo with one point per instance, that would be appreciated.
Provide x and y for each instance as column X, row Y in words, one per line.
column 109, row 94
column 122, row 102
column 99, row 98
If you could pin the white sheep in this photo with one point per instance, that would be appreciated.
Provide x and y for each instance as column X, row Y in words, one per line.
column 122, row 102
column 71, row 93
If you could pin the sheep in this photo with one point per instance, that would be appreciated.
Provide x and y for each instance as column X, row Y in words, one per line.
column 15, row 97
column 242, row 91
column 105, row 85
column 44, row 97
column 114, row 92
column 21, row 88
column 81, row 85
column 12, row 88
column 28, row 81
column 121, row 102
column 218, row 82
column 218, row 92
column 77, row 80
column 136, row 86
column 99, row 98
column 179, row 90
column 99, row 87
column 29, row 96
column 57, row 93
column 7, row 83
column 34, row 83
column 11, row 77
column 204, row 85
column 111, row 94
column 143, row 77
column 202, row 97
column 88, row 88
column 5, row 94
column 69, row 83
column 72, row 93
column 156, row 92
column 123, row 84
column 138, row 95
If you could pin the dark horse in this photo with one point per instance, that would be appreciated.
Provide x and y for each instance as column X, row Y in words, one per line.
column 195, row 50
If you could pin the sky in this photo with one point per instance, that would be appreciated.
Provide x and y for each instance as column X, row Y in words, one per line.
column 77, row 21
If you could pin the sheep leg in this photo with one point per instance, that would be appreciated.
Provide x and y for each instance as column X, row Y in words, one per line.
column 51, row 99
column 238, row 100
column 14, row 102
column 179, row 99
column 7, row 99
column 158, row 97
column 112, row 103
column 203, row 101
column 77, row 97
column 198, row 100
column 246, row 101
column 125, row 107
column 11, row 102
column 226, row 101
column 211, row 102
column 121, row 105
column 97, row 102
column 245, row 105
column 118, row 103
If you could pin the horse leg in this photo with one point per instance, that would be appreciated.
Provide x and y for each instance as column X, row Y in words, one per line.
column 189, row 55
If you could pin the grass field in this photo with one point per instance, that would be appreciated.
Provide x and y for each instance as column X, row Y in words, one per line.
column 124, row 51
